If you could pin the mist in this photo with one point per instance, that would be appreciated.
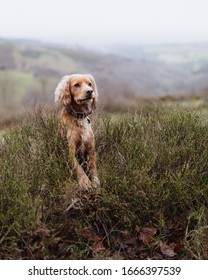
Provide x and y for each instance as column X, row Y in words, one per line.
column 98, row 23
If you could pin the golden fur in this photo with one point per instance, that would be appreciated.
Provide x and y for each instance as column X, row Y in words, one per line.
column 77, row 97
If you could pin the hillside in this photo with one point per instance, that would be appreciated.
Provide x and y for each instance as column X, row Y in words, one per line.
column 188, row 64
column 30, row 70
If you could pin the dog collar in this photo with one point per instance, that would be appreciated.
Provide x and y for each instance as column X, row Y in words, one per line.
column 78, row 115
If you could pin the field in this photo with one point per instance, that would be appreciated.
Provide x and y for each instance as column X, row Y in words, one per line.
column 152, row 144
column 30, row 70
column 152, row 203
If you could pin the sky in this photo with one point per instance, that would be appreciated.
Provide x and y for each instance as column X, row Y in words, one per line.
column 105, row 22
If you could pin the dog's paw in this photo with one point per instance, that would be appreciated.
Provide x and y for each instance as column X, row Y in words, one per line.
column 95, row 182
column 85, row 183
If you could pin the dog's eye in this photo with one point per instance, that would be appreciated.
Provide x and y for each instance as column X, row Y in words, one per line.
column 76, row 85
column 89, row 84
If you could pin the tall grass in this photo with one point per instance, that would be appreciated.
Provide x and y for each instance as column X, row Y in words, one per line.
column 153, row 167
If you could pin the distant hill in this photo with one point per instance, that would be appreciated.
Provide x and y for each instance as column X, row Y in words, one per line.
column 186, row 65
column 30, row 70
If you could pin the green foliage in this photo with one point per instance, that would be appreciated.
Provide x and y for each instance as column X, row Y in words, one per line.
column 154, row 173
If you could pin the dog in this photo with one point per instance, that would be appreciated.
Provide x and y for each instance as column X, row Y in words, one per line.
column 77, row 97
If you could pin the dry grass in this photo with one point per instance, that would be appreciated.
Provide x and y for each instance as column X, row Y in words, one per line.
column 154, row 173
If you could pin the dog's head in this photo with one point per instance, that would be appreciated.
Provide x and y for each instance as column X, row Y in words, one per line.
column 78, row 90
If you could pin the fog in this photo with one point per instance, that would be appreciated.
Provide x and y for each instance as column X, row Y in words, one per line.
column 104, row 22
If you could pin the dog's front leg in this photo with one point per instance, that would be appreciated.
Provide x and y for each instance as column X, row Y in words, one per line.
column 92, row 163
column 82, row 178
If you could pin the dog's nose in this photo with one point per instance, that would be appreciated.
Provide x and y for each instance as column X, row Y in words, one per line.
column 89, row 92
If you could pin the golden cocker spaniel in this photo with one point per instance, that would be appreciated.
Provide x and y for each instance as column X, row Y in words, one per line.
column 77, row 96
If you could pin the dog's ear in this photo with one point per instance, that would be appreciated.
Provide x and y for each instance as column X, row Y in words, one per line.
column 94, row 86
column 62, row 91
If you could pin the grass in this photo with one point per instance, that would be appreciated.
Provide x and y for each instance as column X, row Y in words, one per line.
column 154, row 175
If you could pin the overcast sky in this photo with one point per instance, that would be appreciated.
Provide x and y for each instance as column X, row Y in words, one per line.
column 92, row 22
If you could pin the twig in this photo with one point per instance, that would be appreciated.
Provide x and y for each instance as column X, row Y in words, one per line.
column 73, row 204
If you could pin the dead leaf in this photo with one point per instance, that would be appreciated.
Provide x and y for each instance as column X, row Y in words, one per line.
column 167, row 250
column 130, row 241
column 176, row 246
column 146, row 234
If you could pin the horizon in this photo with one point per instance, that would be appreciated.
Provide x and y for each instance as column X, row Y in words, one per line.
column 100, row 47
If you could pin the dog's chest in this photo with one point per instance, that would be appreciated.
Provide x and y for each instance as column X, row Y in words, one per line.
column 85, row 130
